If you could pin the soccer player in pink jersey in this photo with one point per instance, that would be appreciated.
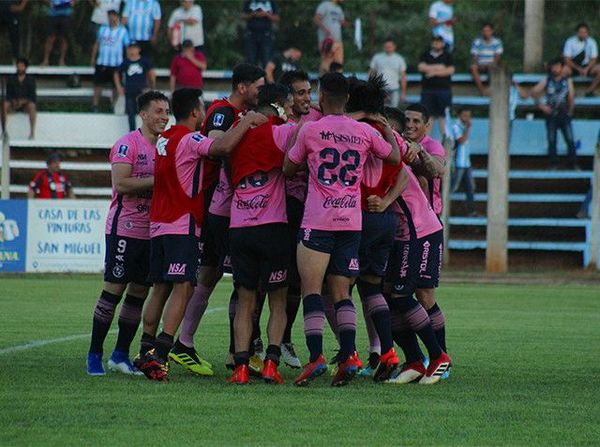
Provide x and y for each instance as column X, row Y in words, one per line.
column 127, row 255
column 335, row 149
column 259, row 234
column 175, row 240
column 427, row 160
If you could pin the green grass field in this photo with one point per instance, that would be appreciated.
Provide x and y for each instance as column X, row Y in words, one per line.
column 526, row 373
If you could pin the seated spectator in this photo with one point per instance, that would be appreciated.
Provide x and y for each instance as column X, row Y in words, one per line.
column 10, row 16
column 142, row 19
column 135, row 75
column 282, row 63
column 392, row 67
column 51, row 183
column 21, row 96
column 187, row 67
column 110, row 42
column 185, row 23
column 463, row 174
column 581, row 57
column 100, row 12
column 486, row 51
column 442, row 20
column 59, row 26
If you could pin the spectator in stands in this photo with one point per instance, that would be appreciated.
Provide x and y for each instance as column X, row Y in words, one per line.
column 329, row 19
column 558, row 108
column 258, row 39
column 100, row 12
column 581, row 57
column 142, row 18
column 10, row 15
column 21, row 96
column 59, row 26
column 187, row 67
column 185, row 23
column 463, row 174
column 437, row 67
column 392, row 67
column 135, row 75
column 289, row 60
column 51, row 183
column 486, row 51
column 110, row 42
column 442, row 20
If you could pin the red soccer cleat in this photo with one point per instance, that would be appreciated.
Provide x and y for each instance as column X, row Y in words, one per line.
column 409, row 373
column 270, row 373
column 359, row 362
column 152, row 367
column 388, row 363
column 436, row 369
column 346, row 371
column 240, row 375
column 311, row 371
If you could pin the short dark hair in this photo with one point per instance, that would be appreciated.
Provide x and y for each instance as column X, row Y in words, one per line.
column 418, row 107
column 462, row 109
column 335, row 66
column 184, row 101
column 23, row 60
column 289, row 77
column 389, row 39
column 582, row 25
column 334, row 84
column 396, row 115
column 144, row 100
column 272, row 93
column 367, row 96
column 555, row 61
column 437, row 37
column 246, row 73
column 487, row 24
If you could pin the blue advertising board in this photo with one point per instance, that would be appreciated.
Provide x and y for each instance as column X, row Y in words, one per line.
column 13, row 235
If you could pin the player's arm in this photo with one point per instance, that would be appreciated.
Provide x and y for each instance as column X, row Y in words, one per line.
column 298, row 151
column 377, row 204
column 225, row 143
column 124, row 183
column 394, row 157
column 430, row 166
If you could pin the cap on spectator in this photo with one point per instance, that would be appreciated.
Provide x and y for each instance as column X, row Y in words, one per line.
column 134, row 43
column 187, row 43
column 54, row 156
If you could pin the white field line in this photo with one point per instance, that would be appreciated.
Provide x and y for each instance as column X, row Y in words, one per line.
column 52, row 341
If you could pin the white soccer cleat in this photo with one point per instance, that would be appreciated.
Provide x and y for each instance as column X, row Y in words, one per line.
column 409, row 373
column 124, row 367
column 289, row 357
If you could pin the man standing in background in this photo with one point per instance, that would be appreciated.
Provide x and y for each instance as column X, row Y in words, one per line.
column 185, row 23
column 392, row 67
column 330, row 18
column 258, row 38
column 442, row 20
column 142, row 19
column 10, row 14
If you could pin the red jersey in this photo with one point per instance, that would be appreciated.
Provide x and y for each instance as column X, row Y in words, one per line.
column 48, row 185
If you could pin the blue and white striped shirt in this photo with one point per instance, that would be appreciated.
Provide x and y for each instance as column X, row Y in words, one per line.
column 141, row 15
column 111, row 43
column 463, row 153
column 485, row 52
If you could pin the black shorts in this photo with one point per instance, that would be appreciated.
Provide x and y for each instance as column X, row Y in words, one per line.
column 436, row 101
column 260, row 256
column 416, row 264
column 341, row 245
column 295, row 212
column 126, row 260
column 376, row 241
column 174, row 258
column 104, row 75
column 214, row 242
column 59, row 26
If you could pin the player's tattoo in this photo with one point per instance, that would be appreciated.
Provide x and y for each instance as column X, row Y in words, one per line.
column 427, row 165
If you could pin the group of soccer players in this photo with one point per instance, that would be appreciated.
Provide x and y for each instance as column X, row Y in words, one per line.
column 301, row 203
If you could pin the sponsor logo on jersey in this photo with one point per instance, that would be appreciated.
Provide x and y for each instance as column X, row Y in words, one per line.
column 259, row 201
column 340, row 138
column 424, row 257
column 307, row 234
column 176, row 269
column 122, row 152
column 197, row 137
column 353, row 264
column 218, row 119
column 348, row 201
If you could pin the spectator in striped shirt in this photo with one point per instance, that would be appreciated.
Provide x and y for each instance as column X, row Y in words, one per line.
column 462, row 161
column 110, row 43
column 142, row 18
column 486, row 51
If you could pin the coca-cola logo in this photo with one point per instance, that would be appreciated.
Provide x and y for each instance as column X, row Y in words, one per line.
column 257, row 202
column 347, row 201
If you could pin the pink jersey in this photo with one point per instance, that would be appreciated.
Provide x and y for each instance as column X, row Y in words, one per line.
column 259, row 199
column 433, row 147
column 335, row 149
column 129, row 214
column 220, row 203
column 415, row 216
column 191, row 152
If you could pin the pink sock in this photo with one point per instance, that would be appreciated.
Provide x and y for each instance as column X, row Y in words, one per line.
column 193, row 314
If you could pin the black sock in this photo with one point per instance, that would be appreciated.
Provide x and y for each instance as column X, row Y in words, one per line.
column 147, row 343
column 417, row 320
column 164, row 343
column 103, row 316
column 180, row 347
column 345, row 314
column 273, row 353
column 241, row 358
column 314, row 319
column 129, row 321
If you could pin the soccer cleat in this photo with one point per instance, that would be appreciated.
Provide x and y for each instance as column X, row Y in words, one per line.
column 367, row 371
column 346, row 371
column 259, row 349
column 388, row 363
column 447, row 373
column 152, row 367
column 357, row 359
column 119, row 362
column 311, row 371
column 436, row 369
column 94, row 364
column 192, row 362
column 289, row 357
column 256, row 366
column 270, row 373
column 240, row 375
column 410, row 372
